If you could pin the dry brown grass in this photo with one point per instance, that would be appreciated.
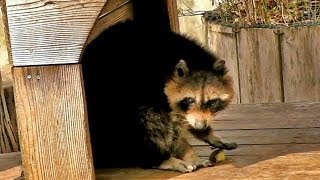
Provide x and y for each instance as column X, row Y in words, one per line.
column 269, row 12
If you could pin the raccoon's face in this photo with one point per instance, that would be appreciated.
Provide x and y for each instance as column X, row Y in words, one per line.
column 195, row 97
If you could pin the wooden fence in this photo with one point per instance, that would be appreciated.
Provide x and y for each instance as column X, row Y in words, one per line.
column 270, row 65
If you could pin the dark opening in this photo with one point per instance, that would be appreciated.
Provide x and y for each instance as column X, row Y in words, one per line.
column 123, row 71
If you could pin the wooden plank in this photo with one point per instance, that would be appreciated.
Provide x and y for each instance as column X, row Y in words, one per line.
column 50, row 32
column 6, row 73
column 270, row 124
column 10, row 139
column 280, row 154
column 303, row 165
column 173, row 15
column 267, row 136
column 292, row 166
column 135, row 174
column 10, row 165
column 12, row 173
column 113, row 12
column 116, row 11
column 290, row 110
column 52, row 121
column 9, row 97
column 5, row 54
column 259, row 66
column 301, row 67
column 9, row 160
column 220, row 39
column 262, row 150
column 266, row 116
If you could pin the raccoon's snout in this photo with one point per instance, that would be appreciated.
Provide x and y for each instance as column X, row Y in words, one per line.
column 200, row 125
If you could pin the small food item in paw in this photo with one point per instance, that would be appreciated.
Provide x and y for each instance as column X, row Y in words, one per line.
column 217, row 156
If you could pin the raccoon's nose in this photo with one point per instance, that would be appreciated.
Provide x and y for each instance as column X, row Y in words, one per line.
column 199, row 125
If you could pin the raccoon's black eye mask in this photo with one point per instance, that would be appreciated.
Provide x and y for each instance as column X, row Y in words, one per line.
column 212, row 105
column 186, row 103
column 215, row 104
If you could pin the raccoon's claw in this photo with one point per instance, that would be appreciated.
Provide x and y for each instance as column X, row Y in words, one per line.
column 179, row 165
column 184, row 167
column 230, row 146
column 223, row 145
column 202, row 163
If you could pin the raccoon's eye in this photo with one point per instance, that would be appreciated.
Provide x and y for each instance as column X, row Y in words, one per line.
column 215, row 104
column 186, row 103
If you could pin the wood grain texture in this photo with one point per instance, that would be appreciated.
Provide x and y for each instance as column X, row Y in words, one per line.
column 259, row 66
column 8, row 136
column 116, row 11
column 9, row 97
column 134, row 174
column 276, row 157
column 280, row 123
column 269, row 116
column 6, row 31
column 291, row 166
column 173, row 15
column 113, row 12
column 10, row 166
column 222, row 42
column 50, row 32
column 267, row 136
column 263, row 153
column 262, row 150
column 9, row 160
column 301, row 67
column 52, row 121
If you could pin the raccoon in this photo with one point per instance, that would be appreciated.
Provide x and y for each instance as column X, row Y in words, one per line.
column 194, row 98
column 138, row 113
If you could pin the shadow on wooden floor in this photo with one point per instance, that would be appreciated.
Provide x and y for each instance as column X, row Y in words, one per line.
column 270, row 136
column 276, row 141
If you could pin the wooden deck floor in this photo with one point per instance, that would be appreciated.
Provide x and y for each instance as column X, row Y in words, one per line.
column 276, row 141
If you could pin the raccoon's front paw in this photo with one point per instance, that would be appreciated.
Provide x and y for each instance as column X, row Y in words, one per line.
column 224, row 145
column 179, row 165
column 202, row 163
column 230, row 146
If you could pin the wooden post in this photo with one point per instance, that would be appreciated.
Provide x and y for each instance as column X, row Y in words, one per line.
column 50, row 101
column 173, row 15
column 52, row 121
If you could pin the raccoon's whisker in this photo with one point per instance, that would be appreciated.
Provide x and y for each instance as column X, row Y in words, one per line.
column 179, row 113
column 184, row 121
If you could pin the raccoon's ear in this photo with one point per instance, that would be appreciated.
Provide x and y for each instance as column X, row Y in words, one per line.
column 220, row 67
column 181, row 69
